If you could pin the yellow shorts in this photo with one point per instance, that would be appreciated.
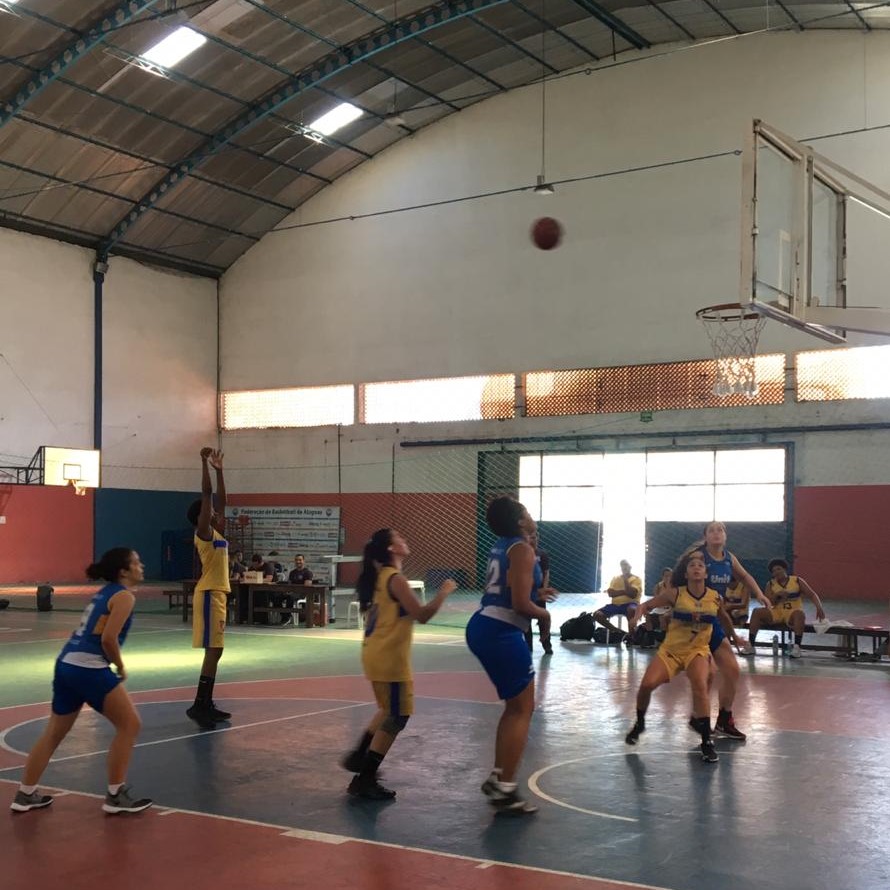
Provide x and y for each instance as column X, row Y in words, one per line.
column 782, row 613
column 209, row 619
column 676, row 660
column 395, row 699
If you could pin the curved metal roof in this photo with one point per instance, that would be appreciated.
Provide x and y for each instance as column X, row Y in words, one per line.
column 189, row 166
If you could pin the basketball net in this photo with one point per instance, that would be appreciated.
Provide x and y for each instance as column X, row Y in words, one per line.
column 734, row 332
column 79, row 490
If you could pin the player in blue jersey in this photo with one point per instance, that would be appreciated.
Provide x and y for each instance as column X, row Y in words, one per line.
column 496, row 636
column 83, row 675
column 723, row 569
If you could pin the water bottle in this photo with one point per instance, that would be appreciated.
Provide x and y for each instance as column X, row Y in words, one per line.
column 775, row 644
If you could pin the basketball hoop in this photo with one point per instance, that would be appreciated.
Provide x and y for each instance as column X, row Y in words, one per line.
column 733, row 331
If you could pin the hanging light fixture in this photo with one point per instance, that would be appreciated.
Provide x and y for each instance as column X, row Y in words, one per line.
column 542, row 186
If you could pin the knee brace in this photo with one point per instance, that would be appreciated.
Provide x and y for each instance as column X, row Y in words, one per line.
column 394, row 725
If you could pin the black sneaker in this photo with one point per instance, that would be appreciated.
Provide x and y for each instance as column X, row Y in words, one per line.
column 369, row 788
column 217, row 714
column 353, row 761
column 708, row 752
column 509, row 803
column 636, row 731
column 728, row 730
column 33, row 801
column 123, row 803
column 202, row 716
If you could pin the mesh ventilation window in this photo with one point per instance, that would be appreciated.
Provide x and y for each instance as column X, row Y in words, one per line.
column 645, row 388
column 834, row 374
column 443, row 399
column 267, row 408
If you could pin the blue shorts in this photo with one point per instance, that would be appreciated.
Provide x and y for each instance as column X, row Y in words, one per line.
column 73, row 686
column 503, row 652
column 620, row 609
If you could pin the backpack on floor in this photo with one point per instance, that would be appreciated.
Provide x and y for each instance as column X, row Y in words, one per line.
column 604, row 635
column 578, row 628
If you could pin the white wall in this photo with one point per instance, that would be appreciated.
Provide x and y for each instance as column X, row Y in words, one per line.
column 160, row 376
column 431, row 292
column 159, row 362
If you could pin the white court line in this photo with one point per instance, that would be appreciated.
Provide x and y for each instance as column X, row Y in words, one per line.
column 289, row 831
column 224, row 683
column 15, row 630
column 353, row 704
column 179, row 738
column 57, row 640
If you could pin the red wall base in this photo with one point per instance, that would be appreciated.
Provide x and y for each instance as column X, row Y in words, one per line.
column 840, row 540
column 47, row 535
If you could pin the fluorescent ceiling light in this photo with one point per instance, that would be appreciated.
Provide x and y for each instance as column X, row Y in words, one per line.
column 174, row 48
column 335, row 119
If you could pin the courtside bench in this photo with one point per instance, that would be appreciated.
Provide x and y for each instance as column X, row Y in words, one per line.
column 174, row 598
column 849, row 645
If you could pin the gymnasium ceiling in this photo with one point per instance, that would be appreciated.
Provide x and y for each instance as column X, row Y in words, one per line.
column 189, row 166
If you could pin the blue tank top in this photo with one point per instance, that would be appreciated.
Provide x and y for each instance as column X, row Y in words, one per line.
column 497, row 591
column 84, row 647
column 719, row 572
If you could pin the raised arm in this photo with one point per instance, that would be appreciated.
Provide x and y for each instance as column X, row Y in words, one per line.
column 399, row 588
column 811, row 595
column 203, row 527
column 215, row 460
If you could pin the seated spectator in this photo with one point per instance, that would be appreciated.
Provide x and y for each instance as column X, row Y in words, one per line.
column 278, row 568
column 237, row 567
column 784, row 591
column 300, row 573
column 625, row 591
column 258, row 564
column 736, row 601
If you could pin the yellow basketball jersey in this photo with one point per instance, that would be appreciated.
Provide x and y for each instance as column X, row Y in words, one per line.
column 692, row 620
column 617, row 583
column 214, row 563
column 386, row 649
column 735, row 594
column 788, row 596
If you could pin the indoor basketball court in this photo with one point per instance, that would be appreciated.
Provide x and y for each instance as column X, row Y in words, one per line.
column 376, row 265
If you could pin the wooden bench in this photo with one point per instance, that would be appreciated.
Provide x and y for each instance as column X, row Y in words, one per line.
column 174, row 598
column 879, row 637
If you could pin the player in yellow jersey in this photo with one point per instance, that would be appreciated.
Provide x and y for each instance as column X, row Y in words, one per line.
column 785, row 594
column 212, row 589
column 696, row 608
column 390, row 608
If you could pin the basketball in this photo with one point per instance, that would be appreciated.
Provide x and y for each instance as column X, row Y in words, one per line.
column 546, row 233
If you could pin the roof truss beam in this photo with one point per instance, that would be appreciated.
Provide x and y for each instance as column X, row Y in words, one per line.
column 329, row 66
column 615, row 24
column 72, row 54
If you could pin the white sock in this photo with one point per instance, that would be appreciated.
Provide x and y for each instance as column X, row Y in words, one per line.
column 506, row 787
column 27, row 789
column 113, row 789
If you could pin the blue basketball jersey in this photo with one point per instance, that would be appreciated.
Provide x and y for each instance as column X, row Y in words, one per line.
column 84, row 648
column 497, row 590
column 719, row 572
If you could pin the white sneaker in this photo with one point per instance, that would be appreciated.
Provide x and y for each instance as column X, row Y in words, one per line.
column 795, row 651
column 745, row 647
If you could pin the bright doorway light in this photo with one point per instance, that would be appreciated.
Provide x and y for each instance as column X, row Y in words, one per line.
column 175, row 47
column 335, row 119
